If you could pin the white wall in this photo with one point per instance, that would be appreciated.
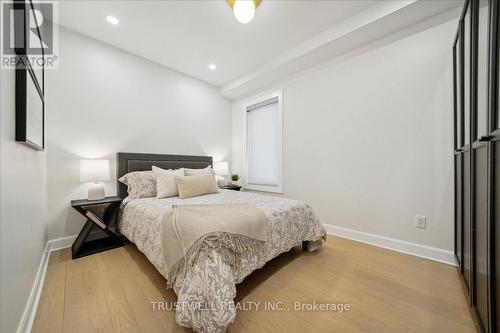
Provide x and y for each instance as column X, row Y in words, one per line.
column 23, row 212
column 103, row 100
column 368, row 136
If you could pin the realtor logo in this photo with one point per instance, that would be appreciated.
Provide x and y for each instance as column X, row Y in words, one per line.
column 28, row 34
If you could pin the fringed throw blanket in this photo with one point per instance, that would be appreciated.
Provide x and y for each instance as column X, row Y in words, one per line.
column 212, row 279
column 188, row 231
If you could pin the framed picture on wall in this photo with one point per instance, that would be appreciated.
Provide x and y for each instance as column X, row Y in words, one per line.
column 30, row 100
column 35, row 50
column 30, row 109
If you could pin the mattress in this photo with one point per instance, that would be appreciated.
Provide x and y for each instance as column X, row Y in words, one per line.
column 211, row 281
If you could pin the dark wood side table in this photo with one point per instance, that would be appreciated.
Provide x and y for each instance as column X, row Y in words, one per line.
column 99, row 233
column 231, row 187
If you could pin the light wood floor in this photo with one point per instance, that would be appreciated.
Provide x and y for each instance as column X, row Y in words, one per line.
column 387, row 292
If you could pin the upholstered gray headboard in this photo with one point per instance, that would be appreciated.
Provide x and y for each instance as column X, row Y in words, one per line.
column 128, row 162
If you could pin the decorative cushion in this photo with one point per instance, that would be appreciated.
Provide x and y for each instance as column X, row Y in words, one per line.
column 165, row 182
column 141, row 184
column 193, row 186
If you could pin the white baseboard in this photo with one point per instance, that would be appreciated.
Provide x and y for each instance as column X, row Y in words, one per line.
column 60, row 243
column 423, row 251
column 30, row 310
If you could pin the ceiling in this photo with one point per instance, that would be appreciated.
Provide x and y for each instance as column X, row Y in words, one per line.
column 188, row 35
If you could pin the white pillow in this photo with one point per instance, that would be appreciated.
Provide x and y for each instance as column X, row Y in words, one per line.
column 157, row 170
column 165, row 182
column 197, row 172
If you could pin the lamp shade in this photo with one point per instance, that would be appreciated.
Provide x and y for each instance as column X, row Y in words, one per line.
column 221, row 168
column 94, row 171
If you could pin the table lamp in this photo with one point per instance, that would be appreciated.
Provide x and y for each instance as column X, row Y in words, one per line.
column 221, row 169
column 94, row 172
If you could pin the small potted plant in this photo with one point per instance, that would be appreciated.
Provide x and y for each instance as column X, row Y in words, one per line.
column 234, row 179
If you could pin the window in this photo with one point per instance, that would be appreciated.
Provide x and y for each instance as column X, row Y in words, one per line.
column 458, row 93
column 466, row 75
column 482, row 68
column 264, row 144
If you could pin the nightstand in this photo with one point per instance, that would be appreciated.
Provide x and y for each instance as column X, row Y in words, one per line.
column 231, row 187
column 99, row 233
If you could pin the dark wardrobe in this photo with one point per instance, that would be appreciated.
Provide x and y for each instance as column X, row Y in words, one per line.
column 476, row 69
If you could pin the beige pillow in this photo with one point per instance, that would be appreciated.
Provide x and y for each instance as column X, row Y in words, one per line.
column 195, row 172
column 165, row 182
column 193, row 186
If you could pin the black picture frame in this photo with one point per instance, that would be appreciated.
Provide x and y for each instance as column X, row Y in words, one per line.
column 39, row 71
column 30, row 97
column 30, row 109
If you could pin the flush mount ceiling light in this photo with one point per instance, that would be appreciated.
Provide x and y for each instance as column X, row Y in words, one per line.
column 244, row 10
column 113, row 20
column 212, row 67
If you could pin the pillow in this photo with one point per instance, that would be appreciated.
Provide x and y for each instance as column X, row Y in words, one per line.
column 165, row 182
column 157, row 170
column 193, row 186
column 141, row 184
column 195, row 172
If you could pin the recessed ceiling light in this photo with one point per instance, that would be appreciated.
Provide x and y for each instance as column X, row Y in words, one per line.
column 113, row 20
column 212, row 67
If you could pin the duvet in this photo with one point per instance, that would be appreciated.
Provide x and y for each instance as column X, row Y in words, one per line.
column 206, row 292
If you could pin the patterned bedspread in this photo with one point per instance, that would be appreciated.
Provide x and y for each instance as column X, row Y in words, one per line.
column 205, row 295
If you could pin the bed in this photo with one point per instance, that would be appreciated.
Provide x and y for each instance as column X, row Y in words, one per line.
column 206, row 291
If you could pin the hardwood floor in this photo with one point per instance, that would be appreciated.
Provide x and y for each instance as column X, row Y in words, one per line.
column 387, row 292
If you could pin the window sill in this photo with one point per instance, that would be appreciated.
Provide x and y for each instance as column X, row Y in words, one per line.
column 262, row 188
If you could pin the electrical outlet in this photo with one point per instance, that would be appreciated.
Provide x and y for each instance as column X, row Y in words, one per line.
column 420, row 221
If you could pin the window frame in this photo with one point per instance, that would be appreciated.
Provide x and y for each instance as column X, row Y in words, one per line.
column 248, row 103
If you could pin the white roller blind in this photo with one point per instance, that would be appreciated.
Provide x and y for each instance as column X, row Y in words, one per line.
column 263, row 143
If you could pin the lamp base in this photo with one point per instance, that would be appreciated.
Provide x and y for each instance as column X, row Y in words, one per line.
column 221, row 181
column 96, row 192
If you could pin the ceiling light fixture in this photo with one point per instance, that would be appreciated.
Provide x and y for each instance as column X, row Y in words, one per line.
column 212, row 67
column 244, row 10
column 113, row 20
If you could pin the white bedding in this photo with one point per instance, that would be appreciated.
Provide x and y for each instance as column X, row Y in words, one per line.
column 211, row 281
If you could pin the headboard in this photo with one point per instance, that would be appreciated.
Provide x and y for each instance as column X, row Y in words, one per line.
column 128, row 162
